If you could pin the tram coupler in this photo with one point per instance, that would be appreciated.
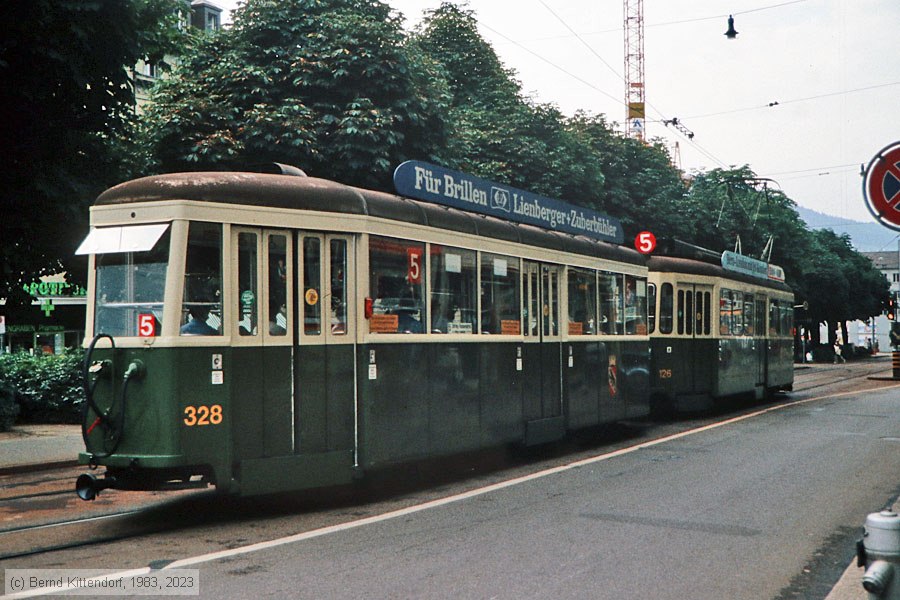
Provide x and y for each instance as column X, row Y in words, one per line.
column 879, row 552
column 87, row 486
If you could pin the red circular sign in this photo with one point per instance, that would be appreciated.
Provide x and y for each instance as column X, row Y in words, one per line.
column 881, row 186
column 645, row 242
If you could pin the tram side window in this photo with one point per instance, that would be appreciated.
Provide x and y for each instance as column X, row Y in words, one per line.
column 453, row 308
column 748, row 315
column 787, row 318
column 201, row 309
column 680, row 313
column 781, row 318
column 397, row 283
column 666, row 308
column 130, row 285
column 278, row 285
column 312, row 286
column 248, row 294
column 338, row 287
column 651, row 307
column 774, row 318
column 635, row 305
column 582, row 302
column 729, row 313
column 500, row 281
column 707, row 313
column 759, row 327
column 611, row 313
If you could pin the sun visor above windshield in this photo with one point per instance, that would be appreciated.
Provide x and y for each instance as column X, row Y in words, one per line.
column 131, row 238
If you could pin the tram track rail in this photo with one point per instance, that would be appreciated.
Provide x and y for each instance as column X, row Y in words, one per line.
column 39, row 512
column 820, row 376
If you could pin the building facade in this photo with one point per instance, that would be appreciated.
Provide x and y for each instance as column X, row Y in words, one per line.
column 889, row 264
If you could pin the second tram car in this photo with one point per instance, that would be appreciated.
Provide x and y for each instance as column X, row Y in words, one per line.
column 265, row 333
column 716, row 332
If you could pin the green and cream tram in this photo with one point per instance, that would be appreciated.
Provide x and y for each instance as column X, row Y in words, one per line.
column 266, row 332
column 718, row 332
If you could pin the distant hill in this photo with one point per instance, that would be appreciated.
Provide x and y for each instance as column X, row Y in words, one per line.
column 866, row 237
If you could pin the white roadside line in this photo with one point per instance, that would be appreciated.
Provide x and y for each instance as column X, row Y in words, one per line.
column 203, row 558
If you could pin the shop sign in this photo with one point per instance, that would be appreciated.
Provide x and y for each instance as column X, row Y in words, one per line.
column 54, row 289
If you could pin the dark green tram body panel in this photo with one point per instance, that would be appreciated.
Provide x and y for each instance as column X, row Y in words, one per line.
column 426, row 400
column 780, row 365
column 155, row 436
column 691, row 373
column 684, row 370
column 441, row 399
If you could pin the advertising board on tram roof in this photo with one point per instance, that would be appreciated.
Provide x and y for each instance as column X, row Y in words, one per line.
column 746, row 265
column 431, row 183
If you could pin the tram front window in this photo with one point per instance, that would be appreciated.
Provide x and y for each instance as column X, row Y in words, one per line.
column 130, row 288
column 201, row 311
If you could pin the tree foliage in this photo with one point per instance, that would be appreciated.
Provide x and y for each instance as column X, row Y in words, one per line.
column 65, row 83
column 328, row 86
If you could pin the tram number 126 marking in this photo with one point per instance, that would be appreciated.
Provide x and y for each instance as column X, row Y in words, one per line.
column 202, row 415
column 665, row 373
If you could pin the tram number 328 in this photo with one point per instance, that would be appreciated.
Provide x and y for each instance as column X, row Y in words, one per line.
column 202, row 415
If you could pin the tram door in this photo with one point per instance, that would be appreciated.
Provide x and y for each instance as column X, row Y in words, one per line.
column 762, row 344
column 542, row 364
column 694, row 320
column 262, row 339
column 324, row 361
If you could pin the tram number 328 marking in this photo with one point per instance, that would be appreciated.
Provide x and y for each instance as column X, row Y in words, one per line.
column 202, row 415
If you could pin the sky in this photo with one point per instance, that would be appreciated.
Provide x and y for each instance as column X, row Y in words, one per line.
column 832, row 66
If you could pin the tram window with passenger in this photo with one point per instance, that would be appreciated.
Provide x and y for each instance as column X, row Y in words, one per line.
column 278, row 282
column 500, row 295
column 201, row 308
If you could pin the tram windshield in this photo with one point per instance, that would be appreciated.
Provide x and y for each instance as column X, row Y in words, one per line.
column 130, row 288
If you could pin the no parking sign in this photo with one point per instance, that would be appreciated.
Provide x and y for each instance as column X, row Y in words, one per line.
column 881, row 186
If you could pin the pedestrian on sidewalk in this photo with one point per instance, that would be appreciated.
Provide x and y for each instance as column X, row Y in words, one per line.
column 838, row 357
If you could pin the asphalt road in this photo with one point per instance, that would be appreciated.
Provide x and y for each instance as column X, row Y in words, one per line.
column 745, row 510
column 767, row 505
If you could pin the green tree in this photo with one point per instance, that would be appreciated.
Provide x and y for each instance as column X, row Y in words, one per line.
column 64, row 80
column 326, row 85
column 641, row 186
column 841, row 283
